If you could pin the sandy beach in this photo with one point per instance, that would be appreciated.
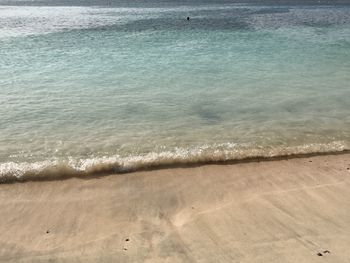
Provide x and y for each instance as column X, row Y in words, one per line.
column 174, row 131
column 272, row 211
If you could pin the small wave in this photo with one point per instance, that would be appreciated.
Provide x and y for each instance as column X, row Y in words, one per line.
column 59, row 169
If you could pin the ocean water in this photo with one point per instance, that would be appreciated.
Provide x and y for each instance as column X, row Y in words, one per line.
column 114, row 86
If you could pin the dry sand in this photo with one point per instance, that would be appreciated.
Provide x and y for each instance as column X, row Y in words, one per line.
column 274, row 211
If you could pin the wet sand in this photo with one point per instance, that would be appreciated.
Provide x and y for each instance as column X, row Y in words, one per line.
column 295, row 210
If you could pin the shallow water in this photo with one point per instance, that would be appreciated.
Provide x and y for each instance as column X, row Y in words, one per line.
column 114, row 87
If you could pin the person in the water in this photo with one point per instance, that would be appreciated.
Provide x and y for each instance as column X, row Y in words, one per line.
column 188, row 18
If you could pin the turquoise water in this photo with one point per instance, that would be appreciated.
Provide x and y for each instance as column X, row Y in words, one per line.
column 85, row 89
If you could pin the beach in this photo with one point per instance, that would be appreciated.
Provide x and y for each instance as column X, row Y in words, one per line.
column 291, row 210
column 174, row 131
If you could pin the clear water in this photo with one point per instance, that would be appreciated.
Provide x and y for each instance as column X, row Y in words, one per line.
column 111, row 87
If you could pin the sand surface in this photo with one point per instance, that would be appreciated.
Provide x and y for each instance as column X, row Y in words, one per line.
column 275, row 211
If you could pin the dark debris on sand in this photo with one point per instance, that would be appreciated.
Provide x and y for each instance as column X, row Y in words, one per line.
column 324, row 252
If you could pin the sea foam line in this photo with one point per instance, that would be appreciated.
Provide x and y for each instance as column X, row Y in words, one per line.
column 59, row 169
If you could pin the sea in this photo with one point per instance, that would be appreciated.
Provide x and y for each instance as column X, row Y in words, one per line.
column 113, row 86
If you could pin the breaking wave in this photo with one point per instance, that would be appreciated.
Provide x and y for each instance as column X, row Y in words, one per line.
column 75, row 167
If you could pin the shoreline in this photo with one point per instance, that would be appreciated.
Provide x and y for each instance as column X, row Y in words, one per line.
column 286, row 210
column 62, row 171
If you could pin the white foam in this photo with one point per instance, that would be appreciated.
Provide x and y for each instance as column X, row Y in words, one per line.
column 56, row 169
